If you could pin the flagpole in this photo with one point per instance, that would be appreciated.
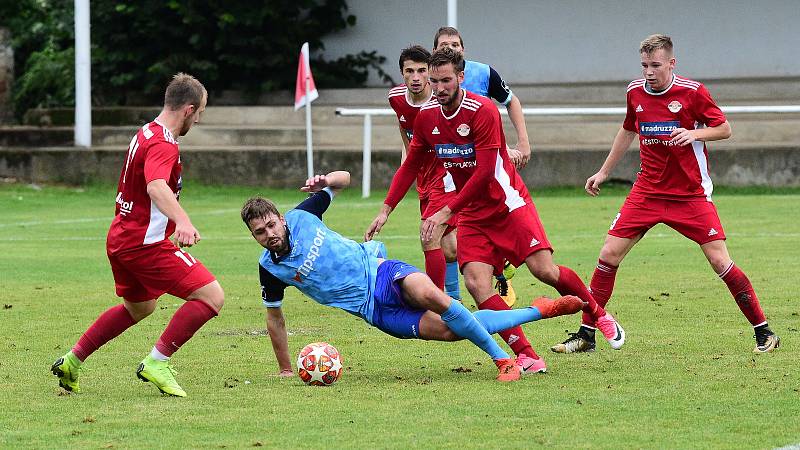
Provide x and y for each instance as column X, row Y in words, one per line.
column 309, row 149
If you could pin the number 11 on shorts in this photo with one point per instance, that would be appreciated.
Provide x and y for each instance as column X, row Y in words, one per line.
column 186, row 257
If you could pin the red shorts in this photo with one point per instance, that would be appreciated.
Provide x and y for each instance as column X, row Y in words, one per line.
column 433, row 202
column 513, row 238
column 697, row 219
column 146, row 273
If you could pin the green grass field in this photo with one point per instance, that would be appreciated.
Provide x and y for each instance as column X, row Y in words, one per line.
column 686, row 378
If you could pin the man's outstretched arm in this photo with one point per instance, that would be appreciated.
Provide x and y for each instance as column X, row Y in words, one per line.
column 276, row 327
column 336, row 181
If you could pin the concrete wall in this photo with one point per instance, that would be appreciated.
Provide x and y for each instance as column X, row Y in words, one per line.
column 739, row 166
column 6, row 74
column 544, row 41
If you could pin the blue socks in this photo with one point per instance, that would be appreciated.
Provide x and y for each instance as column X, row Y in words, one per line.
column 463, row 323
column 451, row 286
column 494, row 321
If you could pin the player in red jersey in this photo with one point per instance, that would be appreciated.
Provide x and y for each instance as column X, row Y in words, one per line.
column 406, row 100
column 496, row 216
column 674, row 117
column 484, row 80
column 144, row 262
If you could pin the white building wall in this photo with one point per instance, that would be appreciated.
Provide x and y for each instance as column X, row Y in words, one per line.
column 540, row 41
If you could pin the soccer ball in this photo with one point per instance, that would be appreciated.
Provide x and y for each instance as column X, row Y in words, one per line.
column 319, row 364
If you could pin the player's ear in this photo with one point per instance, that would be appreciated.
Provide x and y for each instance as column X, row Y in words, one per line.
column 188, row 110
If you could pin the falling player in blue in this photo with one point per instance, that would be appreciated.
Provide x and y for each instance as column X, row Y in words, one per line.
column 391, row 295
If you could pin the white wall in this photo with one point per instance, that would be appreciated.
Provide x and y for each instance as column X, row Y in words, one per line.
column 540, row 41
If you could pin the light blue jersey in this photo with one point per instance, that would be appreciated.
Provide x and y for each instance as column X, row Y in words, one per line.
column 324, row 265
column 483, row 80
column 476, row 78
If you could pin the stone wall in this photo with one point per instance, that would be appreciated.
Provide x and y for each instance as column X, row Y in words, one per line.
column 739, row 166
column 6, row 74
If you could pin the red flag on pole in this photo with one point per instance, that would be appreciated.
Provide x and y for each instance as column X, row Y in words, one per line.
column 301, row 96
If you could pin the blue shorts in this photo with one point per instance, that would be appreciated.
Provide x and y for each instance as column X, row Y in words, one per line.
column 391, row 314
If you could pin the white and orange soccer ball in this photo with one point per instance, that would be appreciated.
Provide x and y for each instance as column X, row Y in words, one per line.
column 319, row 364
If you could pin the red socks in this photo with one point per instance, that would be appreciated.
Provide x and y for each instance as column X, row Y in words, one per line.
column 569, row 283
column 743, row 293
column 602, row 285
column 192, row 315
column 514, row 337
column 109, row 325
column 436, row 266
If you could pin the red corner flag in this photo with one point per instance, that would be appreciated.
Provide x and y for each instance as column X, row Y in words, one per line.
column 303, row 73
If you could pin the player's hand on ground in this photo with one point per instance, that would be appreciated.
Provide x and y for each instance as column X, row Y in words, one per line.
column 315, row 184
column 431, row 223
column 375, row 227
column 593, row 183
column 186, row 235
column 682, row 136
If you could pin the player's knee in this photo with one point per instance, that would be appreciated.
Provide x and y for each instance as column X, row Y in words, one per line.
column 718, row 262
column 140, row 310
column 434, row 299
column 612, row 254
column 477, row 286
column 212, row 295
column 545, row 273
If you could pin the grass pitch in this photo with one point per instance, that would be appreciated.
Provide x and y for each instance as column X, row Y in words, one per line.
column 686, row 378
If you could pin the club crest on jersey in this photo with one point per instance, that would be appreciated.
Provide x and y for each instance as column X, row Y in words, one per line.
column 463, row 129
column 674, row 106
column 657, row 128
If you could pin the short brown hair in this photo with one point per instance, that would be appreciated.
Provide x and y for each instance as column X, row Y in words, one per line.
column 258, row 207
column 447, row 31
column 655, row 42
column 445, row 56
column 416, row 53
column 184, row 89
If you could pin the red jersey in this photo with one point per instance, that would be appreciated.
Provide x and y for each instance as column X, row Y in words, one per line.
column 428, row 176
column 668, row 170
column 470, row 145
column 152, row 155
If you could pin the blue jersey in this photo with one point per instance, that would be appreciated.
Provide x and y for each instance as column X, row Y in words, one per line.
column 321, row 263
column 483, row 80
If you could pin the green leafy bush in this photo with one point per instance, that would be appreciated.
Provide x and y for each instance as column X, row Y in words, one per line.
column 243, row 45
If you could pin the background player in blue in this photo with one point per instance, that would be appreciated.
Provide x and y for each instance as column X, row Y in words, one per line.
column 391, row 295
column 482, row 79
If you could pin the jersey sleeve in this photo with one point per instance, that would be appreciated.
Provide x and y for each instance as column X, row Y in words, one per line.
column 487, row 144
column 498, row 89
column 407, row 173
column 706, row 110
column 630, row 116
column 271, row 288
column 161, row 158
column 317, row 203
column 487, row 128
